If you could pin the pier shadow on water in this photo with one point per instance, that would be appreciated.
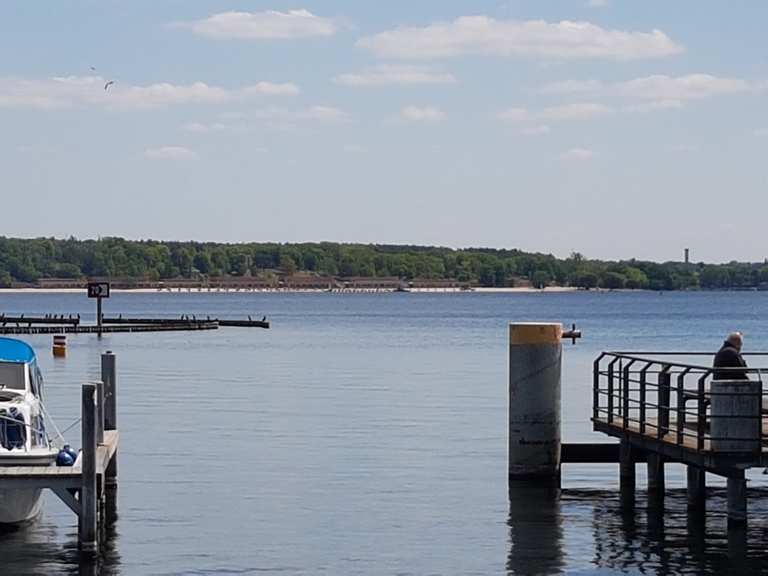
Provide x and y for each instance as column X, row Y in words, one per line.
column 35, row 548
column 572, row 531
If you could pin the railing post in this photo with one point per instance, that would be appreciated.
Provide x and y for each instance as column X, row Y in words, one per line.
column 643, row 382
column 701, row 412
column 681, row 405
column 663, row 401
column 610, row 389
column 625, row 395
column 87, row 524
column 596, row 388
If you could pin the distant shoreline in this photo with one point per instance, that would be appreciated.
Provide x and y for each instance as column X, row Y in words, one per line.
column 548, row 290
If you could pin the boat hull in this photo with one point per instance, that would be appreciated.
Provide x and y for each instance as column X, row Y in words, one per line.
column 19, row 506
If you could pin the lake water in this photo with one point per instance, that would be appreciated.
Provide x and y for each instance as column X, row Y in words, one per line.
column 367, row 434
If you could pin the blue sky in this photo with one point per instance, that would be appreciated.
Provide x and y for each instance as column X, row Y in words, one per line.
column 614, row 128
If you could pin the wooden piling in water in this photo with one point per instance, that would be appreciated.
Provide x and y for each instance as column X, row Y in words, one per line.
column 626, row 475
column 656, row 485
column 88, row 518
column 697, row 488
column 737, row 499
column 109, row 377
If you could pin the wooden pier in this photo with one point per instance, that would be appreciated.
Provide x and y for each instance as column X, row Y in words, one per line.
column 662, row 410
column 53, row 324
column 89, row 487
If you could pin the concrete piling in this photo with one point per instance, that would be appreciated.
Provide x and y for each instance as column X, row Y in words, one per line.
column 535, row 363
column 735, row 415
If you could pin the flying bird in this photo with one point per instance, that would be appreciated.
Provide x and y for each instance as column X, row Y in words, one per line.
column 108, row 84
column 93, row 68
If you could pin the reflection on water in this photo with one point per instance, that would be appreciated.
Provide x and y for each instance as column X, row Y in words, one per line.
column 551, row 534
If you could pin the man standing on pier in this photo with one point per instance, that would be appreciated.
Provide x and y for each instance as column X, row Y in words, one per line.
column 729, row 357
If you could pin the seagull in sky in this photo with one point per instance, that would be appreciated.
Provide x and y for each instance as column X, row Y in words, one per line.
column 108, row 84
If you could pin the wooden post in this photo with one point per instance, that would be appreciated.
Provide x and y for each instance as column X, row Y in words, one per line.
column 109, row 377
column 99, row 412
column 87, row 525
column 697, row 488
column 655, row 480
column 98, row 314
column 737, row 499
column 626, row 475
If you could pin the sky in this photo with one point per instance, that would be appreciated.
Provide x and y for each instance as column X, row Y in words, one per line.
column 615, row 128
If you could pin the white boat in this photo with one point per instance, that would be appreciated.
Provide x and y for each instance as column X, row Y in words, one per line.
column 23, row 441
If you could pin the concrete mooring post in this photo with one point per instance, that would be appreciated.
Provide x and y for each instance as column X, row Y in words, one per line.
column 535, row 365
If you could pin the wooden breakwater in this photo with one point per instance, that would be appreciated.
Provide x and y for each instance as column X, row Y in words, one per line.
column 61, row 324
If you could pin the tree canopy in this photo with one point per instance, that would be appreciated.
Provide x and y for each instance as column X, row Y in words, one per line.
column 29, row 260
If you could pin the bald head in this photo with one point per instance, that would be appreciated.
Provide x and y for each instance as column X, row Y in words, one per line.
column 735, row 339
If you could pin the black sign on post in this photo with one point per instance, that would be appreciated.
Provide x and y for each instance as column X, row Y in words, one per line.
column 98, row 290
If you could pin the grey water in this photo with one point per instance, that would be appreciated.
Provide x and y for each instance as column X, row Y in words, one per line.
column 366, row 434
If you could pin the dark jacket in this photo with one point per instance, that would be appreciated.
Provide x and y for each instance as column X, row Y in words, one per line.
column 729, row 357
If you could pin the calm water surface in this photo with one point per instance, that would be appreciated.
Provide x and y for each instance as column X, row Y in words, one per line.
column 366, row 434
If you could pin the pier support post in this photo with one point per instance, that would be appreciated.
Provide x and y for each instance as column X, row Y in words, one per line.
column 626, row 475
column 99, row 412
column 109, row 378
column 737, row 499
column 655, row 480
column 535, row 360
column 697, row 488
column 87, row 521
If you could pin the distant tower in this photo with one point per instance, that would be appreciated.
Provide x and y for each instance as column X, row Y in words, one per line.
column 687, row 255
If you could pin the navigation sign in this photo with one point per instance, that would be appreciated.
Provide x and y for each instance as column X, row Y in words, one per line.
column 98, row 290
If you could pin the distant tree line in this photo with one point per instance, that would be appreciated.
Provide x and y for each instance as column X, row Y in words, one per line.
column 28, row 260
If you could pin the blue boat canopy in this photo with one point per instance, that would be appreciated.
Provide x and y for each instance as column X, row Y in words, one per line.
column 12, row 350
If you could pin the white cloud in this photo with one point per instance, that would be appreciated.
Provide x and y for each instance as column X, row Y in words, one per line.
column 281, row 118
column 577, row 154
column 659, row 88
column 386, row 74
column 76, row 91
column 170, row 153
column 422, row 114
column 273, row 89
column 534, row 38
column 267, row 25
column 576, row 111
column 681, row 88
column 541, row 130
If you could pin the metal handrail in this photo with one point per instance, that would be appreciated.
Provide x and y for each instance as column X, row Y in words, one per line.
column 626, row 397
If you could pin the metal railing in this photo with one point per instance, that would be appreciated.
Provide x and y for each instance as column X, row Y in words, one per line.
column 655, row 395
